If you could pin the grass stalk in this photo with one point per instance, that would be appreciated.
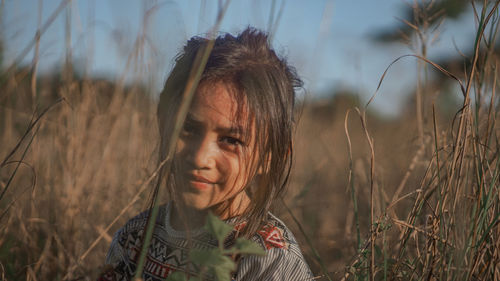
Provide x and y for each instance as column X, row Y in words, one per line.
column 351, row 183
column 309, row 242
column 192, row 83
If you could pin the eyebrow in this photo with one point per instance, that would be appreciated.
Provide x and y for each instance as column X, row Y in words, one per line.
column 233, row 130
column 237, row 130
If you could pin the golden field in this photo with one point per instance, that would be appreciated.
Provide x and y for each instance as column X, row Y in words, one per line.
column 409, row 198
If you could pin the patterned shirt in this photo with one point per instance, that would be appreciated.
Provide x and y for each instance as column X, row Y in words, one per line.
column 169, row 252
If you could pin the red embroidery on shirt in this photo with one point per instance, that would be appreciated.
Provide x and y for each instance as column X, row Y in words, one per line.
column 272, row 235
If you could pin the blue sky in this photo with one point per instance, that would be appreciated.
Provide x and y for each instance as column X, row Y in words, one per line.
column 328, row 41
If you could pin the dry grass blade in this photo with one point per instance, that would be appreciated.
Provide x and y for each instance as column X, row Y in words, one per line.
column 310, row 244
column 372, row 179
column 18, row 164
column 32, row 186
column 134, row 199
column 95, row 158
column 16, row 147
column 350, row 181
column 435, row 65
column 192, row 82
column 372, row 195
column 426, row 233
column 31, row 125
column 37, row 36
column 409, row 171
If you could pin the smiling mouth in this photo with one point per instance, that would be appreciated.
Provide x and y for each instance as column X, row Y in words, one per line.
column 200, row 183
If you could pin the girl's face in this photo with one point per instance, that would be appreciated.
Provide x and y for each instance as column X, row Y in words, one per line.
column 214, row 152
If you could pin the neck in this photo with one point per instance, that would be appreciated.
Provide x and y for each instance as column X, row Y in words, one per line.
column 187, row 218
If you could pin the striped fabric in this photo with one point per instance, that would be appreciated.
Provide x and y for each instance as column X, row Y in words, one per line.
column 169, row 252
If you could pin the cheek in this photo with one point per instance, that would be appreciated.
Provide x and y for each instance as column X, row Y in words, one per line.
column 236, row 173
column 225, row 167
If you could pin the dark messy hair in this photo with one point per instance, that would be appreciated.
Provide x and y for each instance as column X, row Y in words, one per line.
column 258, row 75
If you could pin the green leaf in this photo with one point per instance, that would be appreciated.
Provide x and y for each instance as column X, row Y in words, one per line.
column 215, row 261
column 217, row 228
column 205, row 258
column 247, row 247
column 224, row 268
column 210, row 258
column 177, row 276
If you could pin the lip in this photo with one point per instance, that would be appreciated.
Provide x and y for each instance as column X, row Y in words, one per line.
column 199, row 182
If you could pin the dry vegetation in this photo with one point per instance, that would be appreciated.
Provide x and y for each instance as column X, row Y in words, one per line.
column 424, row 190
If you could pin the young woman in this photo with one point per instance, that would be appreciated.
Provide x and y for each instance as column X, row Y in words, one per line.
column 232, row 158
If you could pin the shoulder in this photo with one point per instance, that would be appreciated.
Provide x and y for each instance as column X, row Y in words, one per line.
column 134, row 224
column 275, row 234
column 283, row 259
column 137, row 224
column 130, row 235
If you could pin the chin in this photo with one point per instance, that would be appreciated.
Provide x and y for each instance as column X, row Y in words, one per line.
column 196, row 202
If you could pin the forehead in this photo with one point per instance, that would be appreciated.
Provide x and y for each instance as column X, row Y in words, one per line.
column 223, row 100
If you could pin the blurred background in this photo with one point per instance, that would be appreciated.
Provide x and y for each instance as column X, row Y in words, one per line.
column 88, row 168
column 335, row 45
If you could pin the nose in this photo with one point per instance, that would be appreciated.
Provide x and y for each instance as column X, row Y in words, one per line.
column 202, row 153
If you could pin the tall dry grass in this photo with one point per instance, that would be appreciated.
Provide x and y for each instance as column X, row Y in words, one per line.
column 405, row 199
column 430, row 212
column 88, row 159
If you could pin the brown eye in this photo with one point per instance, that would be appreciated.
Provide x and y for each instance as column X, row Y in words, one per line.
column 231, row 140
